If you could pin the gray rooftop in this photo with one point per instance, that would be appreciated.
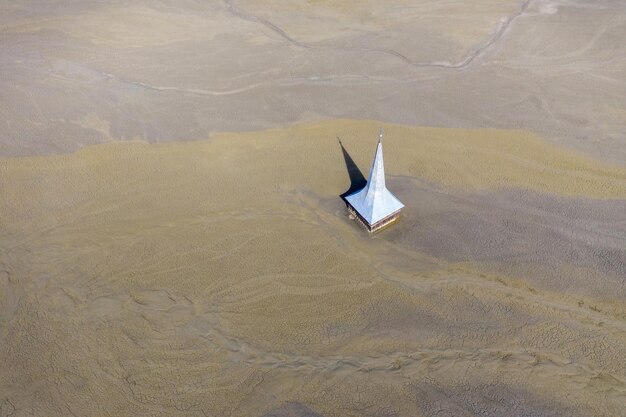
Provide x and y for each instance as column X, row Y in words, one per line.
column 374, row 202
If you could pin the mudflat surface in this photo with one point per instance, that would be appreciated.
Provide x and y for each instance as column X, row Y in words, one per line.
column 80, row 72
column 223, row 277
column 173, row 241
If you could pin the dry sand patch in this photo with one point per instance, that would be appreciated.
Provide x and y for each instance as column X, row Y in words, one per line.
column 78, row 73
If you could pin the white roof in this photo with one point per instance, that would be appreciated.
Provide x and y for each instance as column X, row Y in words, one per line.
column 374, row 202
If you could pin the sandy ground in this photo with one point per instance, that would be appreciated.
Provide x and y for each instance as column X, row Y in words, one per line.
column 173, row 241
column 80, row 72
column 223, row 277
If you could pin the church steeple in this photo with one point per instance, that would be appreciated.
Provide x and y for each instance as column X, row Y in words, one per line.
column 374, row 204
column 376, row 181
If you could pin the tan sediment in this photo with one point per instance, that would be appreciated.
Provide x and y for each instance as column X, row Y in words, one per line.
column 222, row 277
column 475, row 158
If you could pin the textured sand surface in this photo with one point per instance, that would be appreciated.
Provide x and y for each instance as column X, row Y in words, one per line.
column 223, row 278
column 173, row 241
column 80, row 72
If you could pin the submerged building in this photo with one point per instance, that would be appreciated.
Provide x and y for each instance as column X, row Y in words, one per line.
column 373, row 205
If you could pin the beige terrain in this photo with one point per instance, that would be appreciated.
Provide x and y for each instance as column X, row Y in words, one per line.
column 173, row 240
column 223, row 277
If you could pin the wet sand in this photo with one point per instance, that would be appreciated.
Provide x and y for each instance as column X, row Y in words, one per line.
column 223, row 277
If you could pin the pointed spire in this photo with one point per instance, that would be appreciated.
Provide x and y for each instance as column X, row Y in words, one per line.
column 374, row 202
column 376, row 181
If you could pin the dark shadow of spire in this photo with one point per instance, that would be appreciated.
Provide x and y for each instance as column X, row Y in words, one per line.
column 357, row 180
